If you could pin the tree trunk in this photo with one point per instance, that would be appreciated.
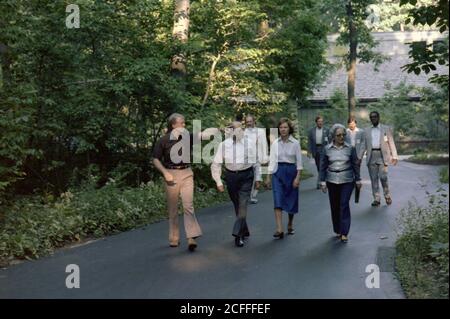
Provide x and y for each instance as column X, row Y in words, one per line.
column 351, row 69
column 181, row 33
column 210, row 79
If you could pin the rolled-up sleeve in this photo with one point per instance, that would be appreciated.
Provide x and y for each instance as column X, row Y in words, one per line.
column 158, row 150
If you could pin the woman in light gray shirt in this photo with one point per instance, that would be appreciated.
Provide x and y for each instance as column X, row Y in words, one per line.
column 339, row 171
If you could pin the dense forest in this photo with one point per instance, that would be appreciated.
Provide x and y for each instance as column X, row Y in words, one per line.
column 93, row 99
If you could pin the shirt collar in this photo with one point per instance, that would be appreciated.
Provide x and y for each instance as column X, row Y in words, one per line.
column 331, row 145
column 290, row 139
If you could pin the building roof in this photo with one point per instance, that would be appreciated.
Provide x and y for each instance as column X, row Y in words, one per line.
column 371, row 84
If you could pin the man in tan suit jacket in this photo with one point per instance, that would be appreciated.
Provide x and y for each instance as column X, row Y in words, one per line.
column 381, row 152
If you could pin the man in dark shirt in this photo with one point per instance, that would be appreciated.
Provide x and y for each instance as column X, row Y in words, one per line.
column 171, row 156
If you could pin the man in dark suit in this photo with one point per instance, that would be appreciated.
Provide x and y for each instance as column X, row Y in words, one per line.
column 318, row 138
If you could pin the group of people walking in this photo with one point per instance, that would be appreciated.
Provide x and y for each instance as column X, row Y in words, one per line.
column 337, row 152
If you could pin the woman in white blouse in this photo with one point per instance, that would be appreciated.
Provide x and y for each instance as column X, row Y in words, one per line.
column 285, row 165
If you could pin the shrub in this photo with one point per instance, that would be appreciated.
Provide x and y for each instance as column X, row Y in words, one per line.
column 443, row 175
column 422, row 248
column 430, row 159
column 35, row 226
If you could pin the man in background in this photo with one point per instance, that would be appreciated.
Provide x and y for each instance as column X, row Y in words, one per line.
column 317, row 139
column 257, row 137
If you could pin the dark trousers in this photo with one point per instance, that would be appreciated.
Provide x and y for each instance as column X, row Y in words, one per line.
column 239, row 186
column 317, row 160
column 339, row 195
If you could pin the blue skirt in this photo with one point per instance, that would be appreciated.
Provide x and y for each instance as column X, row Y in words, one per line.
column 285, row 196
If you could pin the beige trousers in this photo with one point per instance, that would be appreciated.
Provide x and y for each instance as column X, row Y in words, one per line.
column 378, row 173
column 184, row 186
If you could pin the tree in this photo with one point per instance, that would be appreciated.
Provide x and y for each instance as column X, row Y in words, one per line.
column 92, row 101
column 425, row 56
column 350, row 17
column 180, row 34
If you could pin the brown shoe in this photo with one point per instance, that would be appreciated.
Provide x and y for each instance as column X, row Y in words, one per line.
column 192, row 244
column 174, row 243
column 388, row 200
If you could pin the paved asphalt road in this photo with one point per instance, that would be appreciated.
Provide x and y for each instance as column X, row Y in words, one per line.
column 309, row 264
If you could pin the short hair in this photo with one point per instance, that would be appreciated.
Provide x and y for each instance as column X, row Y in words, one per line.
column 250, row 115
column 335, row 127
column 351, row 119
column 288, row 122
column 374, row 112
column 239, row 117
column 172, row 120
column 318, row 117
column 231, row 126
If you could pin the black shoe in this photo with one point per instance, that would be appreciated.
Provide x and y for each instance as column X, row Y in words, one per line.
column 375, row 203
column 291, row 231
column 238, row 242
column 278, row 235
column 192, row 244
column 247, row 234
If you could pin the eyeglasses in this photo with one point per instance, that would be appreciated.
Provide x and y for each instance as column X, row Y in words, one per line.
column 340, row 135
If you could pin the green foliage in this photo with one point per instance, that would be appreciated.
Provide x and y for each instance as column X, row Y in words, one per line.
column 425, row 56
column 423, row 119
column 429, row 159
column 97, row 97
column 339, row 19
column 391, row 16
column 443, row 175
column 422, row 248
column 35, row 226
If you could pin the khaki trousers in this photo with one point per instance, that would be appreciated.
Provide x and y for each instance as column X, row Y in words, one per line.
column 184, row 187
column 378, row 173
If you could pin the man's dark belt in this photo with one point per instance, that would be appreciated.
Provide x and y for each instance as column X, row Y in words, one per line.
column 184, row 166
column 241, row 171
column 317, row 145
column 376, row 149
column 343, row 170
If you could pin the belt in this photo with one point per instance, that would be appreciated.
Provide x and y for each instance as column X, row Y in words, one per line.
column 343, row 170
column 376, row 149
column 241, row 171
column 177, row 166
column 318, row 144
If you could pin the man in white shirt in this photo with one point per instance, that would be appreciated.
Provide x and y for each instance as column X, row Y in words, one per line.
column 355, row 135
column 241, row 167
column 257, row 137
column 381, row 152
